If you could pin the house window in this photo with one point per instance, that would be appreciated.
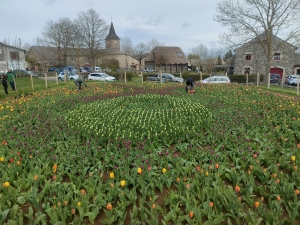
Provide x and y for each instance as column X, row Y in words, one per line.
column 248, row 57
column 277, row 56
column 247, row 70
column 179, row 55
column 14, row 56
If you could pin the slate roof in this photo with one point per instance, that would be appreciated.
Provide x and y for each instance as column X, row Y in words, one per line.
column 112, row 34
column 168, row 54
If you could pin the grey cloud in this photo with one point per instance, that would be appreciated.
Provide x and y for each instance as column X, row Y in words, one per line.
column 185, row 25
column 153, row 21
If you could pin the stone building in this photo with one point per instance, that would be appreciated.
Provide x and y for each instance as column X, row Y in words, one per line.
column 47, row 56
column 167, row 59
column 250, row 58
column 113, row 51
column 11, row 57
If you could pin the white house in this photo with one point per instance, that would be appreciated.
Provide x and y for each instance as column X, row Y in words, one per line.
column 11, row 57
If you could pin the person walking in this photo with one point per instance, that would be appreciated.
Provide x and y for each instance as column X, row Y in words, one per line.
column 190, row 83
column 11, row 79
column 78, row 82
column 4, row 83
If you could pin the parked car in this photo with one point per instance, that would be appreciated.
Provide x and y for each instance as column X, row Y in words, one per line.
column 71, row 76
column 52, row 69
column 156, row 77
column 97, row 69
column 33, row 74
column 149, row 70
column 216, row 80
column 101, row 77
column 58, row 70
column 88, row 69
column 275, row 78
column 21, row 73
column 292, row 79
column 171, row 78
column 82, row 70
column 71, row 69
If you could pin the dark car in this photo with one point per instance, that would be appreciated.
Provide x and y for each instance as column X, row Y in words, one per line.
column 88, row 69
column 21, row 73
column 275, row 78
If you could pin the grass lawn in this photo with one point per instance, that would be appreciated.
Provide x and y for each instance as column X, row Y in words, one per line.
column 150, row 153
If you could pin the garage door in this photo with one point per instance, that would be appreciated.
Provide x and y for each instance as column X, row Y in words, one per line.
column 276, row 70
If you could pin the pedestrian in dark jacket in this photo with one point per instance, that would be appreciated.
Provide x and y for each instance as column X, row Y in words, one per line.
column 11, row 78
column 4, row 83
column 190, row 83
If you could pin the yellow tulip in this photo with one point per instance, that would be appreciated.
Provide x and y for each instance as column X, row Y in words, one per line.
column 293, row 158
column 112, row 175
column 123, row 182
column 2, row 159
column 164, row 170
column 78, row 204
column 6, row 184
column 139, row 170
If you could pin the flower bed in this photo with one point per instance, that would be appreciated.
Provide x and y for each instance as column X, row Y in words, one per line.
column 125, row 154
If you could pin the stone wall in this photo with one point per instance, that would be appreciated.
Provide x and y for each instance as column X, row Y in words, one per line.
column 258, row 61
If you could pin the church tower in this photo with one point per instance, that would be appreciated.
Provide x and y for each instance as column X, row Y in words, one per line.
column 112, row 40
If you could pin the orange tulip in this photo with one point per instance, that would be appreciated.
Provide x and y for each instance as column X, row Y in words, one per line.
column 153, row 206
column 54, row 168
column 177, row 179
column 217, row 165
column 109, row 206
column 278, row 198
column 82, row 191
column 211, row 204
column 237, row 188
column 297, row 192
column 256, row 204
column 191, row 214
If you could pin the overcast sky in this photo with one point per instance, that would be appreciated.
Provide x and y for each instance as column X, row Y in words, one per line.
column 182, row 23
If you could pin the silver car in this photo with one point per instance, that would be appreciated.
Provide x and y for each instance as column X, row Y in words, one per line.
column 216, row 80
column 71, row 76
column 292, row 79
column 171, row 78
column 101, row 77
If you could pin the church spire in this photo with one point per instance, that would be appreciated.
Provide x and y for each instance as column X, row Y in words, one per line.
column 112, row 34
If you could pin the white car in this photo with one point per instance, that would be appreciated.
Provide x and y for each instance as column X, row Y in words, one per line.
column 216, row 80
column 71, row 76
column 101, row 77
column 292, row 80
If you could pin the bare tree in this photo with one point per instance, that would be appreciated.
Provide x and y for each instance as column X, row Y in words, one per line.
column 126, row 46
column 201, row 53
column 153, row 43
column 26, row 47
column 59, row 34
column 93, row 30
column 260, row 20
column 140, row 51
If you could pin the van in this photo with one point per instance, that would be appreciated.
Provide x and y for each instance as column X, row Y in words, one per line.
column 97, row 69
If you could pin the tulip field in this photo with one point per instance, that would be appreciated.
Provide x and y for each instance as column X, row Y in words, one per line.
column 150, row 154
